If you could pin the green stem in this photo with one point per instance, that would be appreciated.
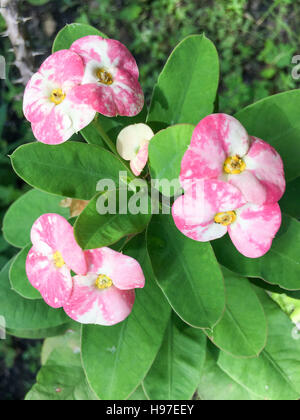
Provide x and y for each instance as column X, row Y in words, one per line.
column 105, row 137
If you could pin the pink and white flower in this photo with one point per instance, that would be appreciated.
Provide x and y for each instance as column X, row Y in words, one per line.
column 221, row 148
column 133, row 145
column 110, row 82
column 51, row 103
column 105, row 295
column 53, row 255
column 211, row 208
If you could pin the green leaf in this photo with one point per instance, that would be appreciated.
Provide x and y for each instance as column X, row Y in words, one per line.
column 290, row 202
column 70, row 169
column 39, row 334
column 62, row 377
column 166, row 151
column 276, row 121
column 18, row 277
column 275, row 374
column 25, row 211
column 22, row 314
column 187, row 272
column 275, row 289
column 216, row 385
column 93, row 230
column 70, row 34
column 116, row 359
column 176, row 371
column 280, row 266
column 242, row 331
column 138, row 395
column 187, row 87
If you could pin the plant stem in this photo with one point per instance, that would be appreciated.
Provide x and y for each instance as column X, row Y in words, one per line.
column 105, row 137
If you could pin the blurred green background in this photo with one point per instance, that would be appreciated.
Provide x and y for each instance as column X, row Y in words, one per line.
column 256, row 41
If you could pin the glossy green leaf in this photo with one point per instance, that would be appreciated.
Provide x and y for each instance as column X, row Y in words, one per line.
column 276, row 121
column 62, row 377
column 187, row 272
column 138, row 395
column 93, row 230
column 275, row 374
column 25, row 211
column 166, row 151
column 187, row 87
column 176, row 371
column 242, row 331
column 23, row 314
column 216, row 385
column 70, row 34
column 116, row 359
column 18, row 277
column 70, row 169
column 275, row 289
column 290, row 203
column 39, row 334
column 280, row 266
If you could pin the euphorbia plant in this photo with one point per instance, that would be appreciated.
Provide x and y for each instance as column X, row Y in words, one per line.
column 159, row 302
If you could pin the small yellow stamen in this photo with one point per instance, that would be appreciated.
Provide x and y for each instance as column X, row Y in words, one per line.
column 58, row 260
column 226, row 218
column 103, row 282
column 57, row 96
column 104, row 77
column 234, row 165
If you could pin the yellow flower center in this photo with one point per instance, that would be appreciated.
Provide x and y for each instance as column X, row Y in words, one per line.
column 104, row 77
column 234, row 165
column 57, row 96
column 58, row 260
column 226, row 218
column 103, row 282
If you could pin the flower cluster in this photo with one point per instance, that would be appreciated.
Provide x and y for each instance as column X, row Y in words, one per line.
column 94, row 75
column 232, row 183
column 102, row 291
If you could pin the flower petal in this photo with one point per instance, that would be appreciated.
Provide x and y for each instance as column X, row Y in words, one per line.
column 255, row 229
column 107, row 52
column 51, row 233
column 266, row 164
column 128, row 94
column 100, row 98
column 140, row 161
column 131, row 139
column 89, row 305
column 253, row 190
column 55, row 285
column 63, row 69
column 125, row 272
column 36, row 103
column 80, row 113
column 191, row 225
column 55, row 128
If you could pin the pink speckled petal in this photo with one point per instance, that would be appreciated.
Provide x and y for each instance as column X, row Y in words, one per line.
column 205, row 156
column 89, row 305
column 55, row 285
column 255, row 229
column 140, row 161
column 107, row 52
column 36, row 104
column 80, row 112
column 125, row 272
column 100, row 98
column 205, row 199
column 63, row 69
column 189, row 220
column 128, row 94
column 51, row 233
column 266, row 164
column 253, row 190
column 235, row 138
column 55, row 128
